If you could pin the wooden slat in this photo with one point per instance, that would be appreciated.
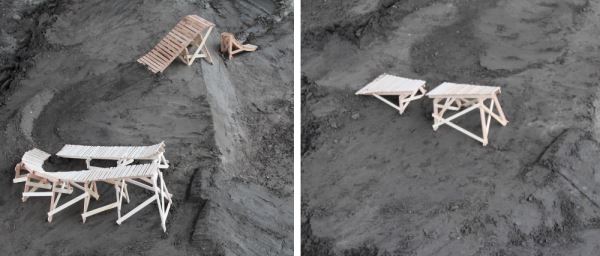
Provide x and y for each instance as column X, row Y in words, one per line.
column 191, row 30
column 158, row 56
column 165, row 45
column 185, row 31
column 150, row 62
column 462, row 90
column 165, row 56
column 177, row 38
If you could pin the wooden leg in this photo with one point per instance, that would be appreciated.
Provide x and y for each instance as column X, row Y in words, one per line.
column 119, row 195
column 86, row 202
column 389, row 103
column 52, row 201
column 230, row 49
column 503, row 120
column 435, row 114
column 223, row 45
column 26, row 189
column 207, row 53
column 401, row 103
column 483, row 122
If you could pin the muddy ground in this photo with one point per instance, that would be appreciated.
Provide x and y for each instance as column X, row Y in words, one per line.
column 68, row 75
column 377, row 183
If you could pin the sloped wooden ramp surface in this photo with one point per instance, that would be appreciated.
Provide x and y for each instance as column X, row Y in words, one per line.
column 191, row 30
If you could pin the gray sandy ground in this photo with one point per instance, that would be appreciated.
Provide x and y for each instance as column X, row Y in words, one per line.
column 377, row 183
column 68, row 75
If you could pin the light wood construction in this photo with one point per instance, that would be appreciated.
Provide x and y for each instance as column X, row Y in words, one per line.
column 124, row 155
column 146, row 176
column 231, row 46
column 451, row 96
column 191, row 32
column 405, row 89
column 34, row 158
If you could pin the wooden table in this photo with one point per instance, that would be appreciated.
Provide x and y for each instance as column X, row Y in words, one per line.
column 451, row 96
column 405, row 89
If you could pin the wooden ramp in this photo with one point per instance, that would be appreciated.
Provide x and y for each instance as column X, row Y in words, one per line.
column 451, row 96
column 35, row 159
column 231, row 46
column 122, row 154
column 406, row 89
column 192, row 31
column 146, row 176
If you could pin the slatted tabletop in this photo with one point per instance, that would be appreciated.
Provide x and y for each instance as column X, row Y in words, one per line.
column 112, row 173
column 112, row 152
column 387, row 84
column 173, row 44
column 34, row 159
column 462, row 91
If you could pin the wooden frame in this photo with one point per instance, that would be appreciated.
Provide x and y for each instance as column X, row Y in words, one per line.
column 161, row 195
column 192, row 31
column 200, row 50
column 466, row 98
column 405, row 89
column 231, row 46
column 55, row 184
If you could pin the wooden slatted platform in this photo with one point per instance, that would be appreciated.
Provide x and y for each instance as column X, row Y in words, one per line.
column 103, row 174
column 406, row 89
column 32, row 160
column 462, row 91
column 112, row 152
column 191, row 30
column 452, row 96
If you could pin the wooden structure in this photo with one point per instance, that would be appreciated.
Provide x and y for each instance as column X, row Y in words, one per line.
column 405, row 89
column 124, row 155
column 451, row 96
column 231, row 46
column 192, row 31
column 146, row 176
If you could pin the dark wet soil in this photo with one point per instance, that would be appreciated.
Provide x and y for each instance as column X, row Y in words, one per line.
column 376, row 183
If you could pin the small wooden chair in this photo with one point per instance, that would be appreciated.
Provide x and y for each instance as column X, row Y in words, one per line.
column 231, row 46
column 406, row 89
column 456, row 96
column 192, row 31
